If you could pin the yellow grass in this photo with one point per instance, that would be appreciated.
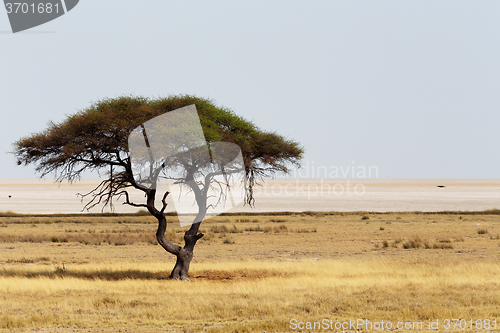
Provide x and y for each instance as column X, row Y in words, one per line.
column 321, row 267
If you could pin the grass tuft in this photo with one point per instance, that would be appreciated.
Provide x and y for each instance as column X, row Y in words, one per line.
column 417, row 243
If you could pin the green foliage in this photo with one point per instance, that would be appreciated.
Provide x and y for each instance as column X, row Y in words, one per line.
column 96, row 138
column 93, row 135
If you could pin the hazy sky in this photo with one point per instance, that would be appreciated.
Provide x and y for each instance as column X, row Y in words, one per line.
column 411, row 87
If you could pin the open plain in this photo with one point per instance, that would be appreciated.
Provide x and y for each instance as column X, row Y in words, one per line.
column 252, row 273
column 43, row 196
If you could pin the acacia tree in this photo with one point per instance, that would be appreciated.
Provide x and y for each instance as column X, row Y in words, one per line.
column 96, row 139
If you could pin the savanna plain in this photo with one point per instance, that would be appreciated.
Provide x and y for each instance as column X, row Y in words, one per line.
column 251, row 273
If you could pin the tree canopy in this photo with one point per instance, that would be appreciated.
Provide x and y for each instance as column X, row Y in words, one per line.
column 96, row 138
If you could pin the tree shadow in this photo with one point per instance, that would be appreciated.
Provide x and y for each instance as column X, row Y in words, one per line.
column 108, row 275
column 133, row 274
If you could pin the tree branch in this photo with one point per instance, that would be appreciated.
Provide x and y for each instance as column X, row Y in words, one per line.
column 164, row 202
column 128, row 202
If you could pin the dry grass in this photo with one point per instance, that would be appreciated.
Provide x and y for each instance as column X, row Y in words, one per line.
column 248, row 296
column 246, row 279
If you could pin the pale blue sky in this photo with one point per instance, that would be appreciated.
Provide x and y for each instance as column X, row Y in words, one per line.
column 412, row 87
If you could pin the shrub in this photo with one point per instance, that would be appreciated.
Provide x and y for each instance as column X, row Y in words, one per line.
column 419, row 243
column 219, row 229
column 257, row 228
column 228, row 241
column 305, row 231
column 280, row 228
column 442, row 246
column 414, row 243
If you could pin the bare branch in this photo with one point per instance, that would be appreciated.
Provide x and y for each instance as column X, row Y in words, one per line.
column 163, row 200
column 128, row 202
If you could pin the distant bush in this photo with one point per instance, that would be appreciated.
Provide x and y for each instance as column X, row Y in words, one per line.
column 257, row 228
column 9, row 213
column 417, row 243
column 442, row 246
column 278, row 220
column 445, row 240
column 305, row 231
column 128, row 237
column 221, row 229
column 228, row 241
column 280, row 228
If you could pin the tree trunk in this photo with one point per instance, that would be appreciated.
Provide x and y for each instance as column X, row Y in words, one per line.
column 181, row 268
column 185, row 254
